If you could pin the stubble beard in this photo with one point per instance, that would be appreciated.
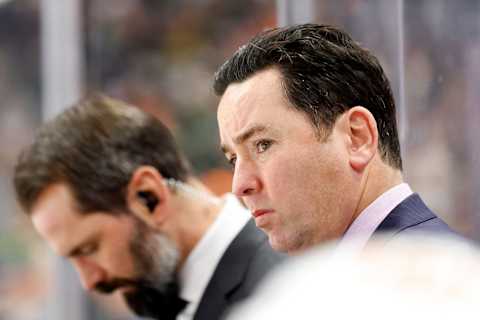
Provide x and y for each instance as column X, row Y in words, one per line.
column 155, row 259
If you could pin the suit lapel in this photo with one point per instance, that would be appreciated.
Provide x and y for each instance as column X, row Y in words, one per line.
column 409, row 212
column 229, row 273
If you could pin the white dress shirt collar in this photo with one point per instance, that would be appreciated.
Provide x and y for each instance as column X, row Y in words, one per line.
column 205, row 256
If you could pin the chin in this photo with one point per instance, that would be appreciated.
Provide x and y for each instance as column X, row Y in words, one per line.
column 277, row 245
column 290, row 244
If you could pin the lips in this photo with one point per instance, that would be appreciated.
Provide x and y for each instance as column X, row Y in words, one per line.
column 261, row 212
column 262, row 218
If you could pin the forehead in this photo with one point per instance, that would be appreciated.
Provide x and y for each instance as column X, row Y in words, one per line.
column 259, row 101
column 58, row 221
column 54, row 206
column 247, row 99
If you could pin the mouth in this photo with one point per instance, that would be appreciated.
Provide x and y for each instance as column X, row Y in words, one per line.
column 261, row 212
column 262, row 218
column 127, row 289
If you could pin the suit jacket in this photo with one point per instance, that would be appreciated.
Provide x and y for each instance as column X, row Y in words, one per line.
column 243, row 265
column 413, row 217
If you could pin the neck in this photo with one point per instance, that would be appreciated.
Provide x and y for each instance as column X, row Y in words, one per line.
column 195, row 214
column 378, row 179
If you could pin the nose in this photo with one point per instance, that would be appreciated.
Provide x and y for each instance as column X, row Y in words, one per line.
column 245, row 182
column 90, row 273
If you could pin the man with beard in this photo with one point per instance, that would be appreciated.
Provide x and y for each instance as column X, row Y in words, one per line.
column 106, row 187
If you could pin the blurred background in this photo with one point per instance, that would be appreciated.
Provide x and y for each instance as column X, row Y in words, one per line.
column 160, row 55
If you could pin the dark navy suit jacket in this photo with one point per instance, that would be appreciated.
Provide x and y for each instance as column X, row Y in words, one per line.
column 413, row 217
column 247, row 260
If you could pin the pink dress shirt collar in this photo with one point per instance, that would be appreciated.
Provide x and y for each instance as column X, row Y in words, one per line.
column 357, row 235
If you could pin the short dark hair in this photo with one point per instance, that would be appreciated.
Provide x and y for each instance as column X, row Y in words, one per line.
column 324, row 73
column 94, row 147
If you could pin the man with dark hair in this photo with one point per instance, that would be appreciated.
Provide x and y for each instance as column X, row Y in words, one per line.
column 307, row 119
column 106, row 187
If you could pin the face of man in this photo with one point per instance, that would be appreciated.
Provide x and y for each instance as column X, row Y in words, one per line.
column 300, row 188
column 110, row 252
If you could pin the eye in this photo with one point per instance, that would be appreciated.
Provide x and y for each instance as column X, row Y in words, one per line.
column 87, row 249
column 232, row 161
column 263, row 145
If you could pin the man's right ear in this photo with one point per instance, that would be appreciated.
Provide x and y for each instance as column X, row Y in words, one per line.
column 148, row 197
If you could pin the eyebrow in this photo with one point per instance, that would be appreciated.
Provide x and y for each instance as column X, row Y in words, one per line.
column 244, row 136
column 74, row 252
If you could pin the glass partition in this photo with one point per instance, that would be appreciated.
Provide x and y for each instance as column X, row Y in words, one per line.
column 161, row 56
column 23, row 270
column 442, row 73
column 430, row 52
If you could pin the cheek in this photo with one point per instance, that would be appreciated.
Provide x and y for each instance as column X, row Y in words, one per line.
column 292, row 168
column 120, row 256
column 279, row 176
column 287, row 180
column 121, row 260
column 305, row 177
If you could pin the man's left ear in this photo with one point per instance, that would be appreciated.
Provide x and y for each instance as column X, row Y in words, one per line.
column 148, row 196
column 363, row 133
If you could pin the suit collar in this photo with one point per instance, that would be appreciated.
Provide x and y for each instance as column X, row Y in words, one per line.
column 362, row 229
column 410, row 212
column 230, row 271
column 202, row 261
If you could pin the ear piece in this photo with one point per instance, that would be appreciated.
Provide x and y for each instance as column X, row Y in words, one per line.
column 149, row 199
